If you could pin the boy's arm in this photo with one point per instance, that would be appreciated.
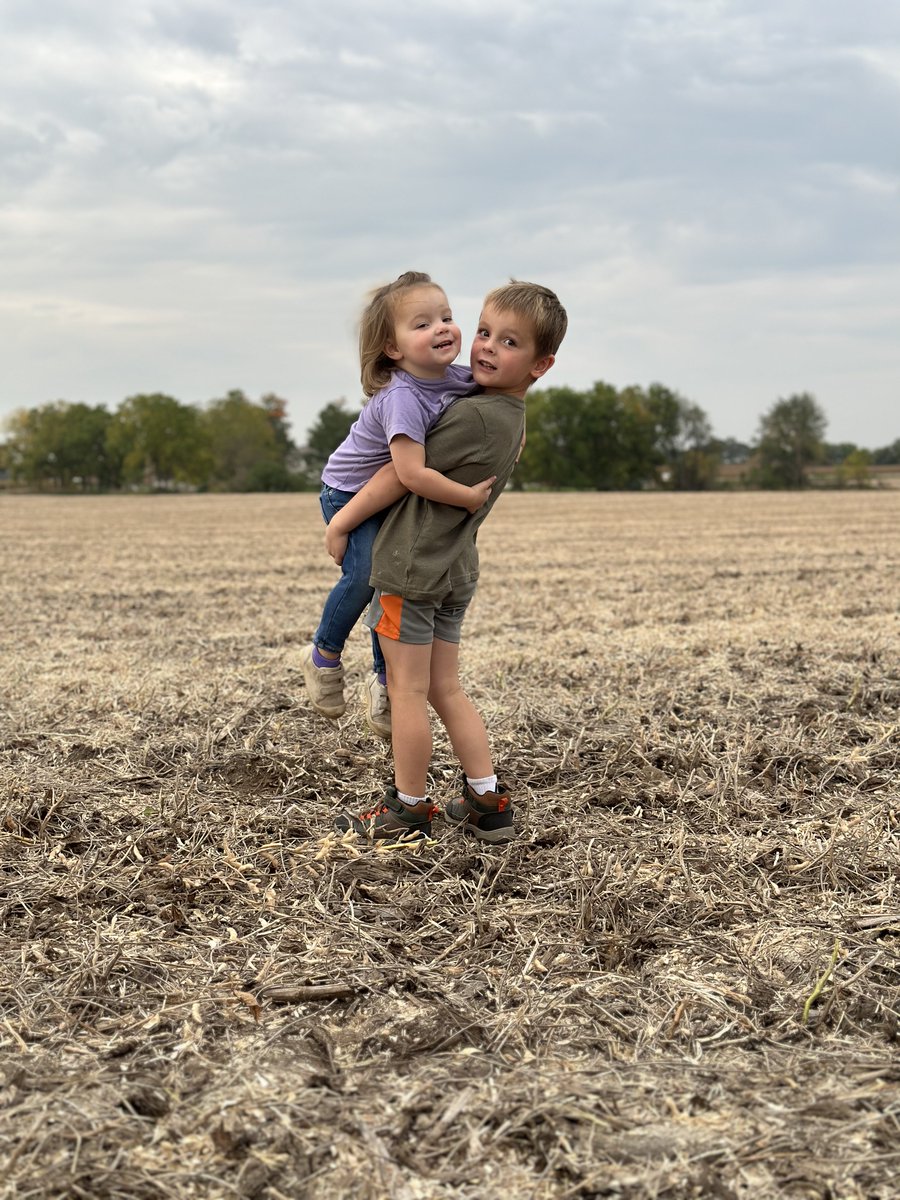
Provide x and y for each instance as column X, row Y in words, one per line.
column 409, row 461
column 382, row 490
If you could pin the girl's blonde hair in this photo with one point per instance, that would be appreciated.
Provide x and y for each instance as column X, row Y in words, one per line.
column 376, row 328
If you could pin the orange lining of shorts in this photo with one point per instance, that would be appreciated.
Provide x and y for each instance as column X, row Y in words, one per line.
column 391, row 614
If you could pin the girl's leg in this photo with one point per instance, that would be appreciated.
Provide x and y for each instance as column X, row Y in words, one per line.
column 350, row 596
column 379, row 666
column 459, row 715
column 409, row 670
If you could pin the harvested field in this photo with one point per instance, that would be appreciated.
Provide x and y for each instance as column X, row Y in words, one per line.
column 681, row 981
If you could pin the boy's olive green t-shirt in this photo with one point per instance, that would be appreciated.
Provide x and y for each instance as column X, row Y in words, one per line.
column 424, row 548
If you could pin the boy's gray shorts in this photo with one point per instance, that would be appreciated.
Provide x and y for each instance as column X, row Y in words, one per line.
column 418, row 622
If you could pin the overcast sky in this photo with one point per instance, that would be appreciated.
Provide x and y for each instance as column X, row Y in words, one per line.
column 196, row 195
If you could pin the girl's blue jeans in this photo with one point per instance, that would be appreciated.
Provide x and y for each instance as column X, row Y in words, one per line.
column 350, row 596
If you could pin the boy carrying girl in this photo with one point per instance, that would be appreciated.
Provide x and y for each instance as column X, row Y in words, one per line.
column 425, row 572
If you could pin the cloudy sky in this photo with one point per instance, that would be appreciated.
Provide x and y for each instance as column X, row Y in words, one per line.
column 195, row 195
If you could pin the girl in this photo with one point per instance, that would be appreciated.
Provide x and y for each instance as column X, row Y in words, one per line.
column 407, row 343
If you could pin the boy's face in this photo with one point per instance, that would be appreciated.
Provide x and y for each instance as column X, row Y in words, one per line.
column 503, row 354
column 426, row 340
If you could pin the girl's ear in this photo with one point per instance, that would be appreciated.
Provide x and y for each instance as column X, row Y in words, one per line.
column 392, row 350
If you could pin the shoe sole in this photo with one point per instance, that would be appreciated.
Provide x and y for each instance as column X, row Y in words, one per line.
column 495, row 836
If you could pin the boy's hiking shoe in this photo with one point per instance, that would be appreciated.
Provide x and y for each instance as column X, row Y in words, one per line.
column 390, row 818
column 488, row 818
column 325, row 685
column 378, row 706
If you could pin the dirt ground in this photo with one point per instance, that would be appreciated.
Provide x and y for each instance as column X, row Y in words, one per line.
column 680, row 981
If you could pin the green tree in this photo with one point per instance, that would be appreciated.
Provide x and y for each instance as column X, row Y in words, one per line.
column 606, row 439
column 555, row 453
column 730, row 450
column 84, row 453
column 834, row 453
column 856, row 468
column 160, row 441
column 63, row 445
column 791, row 440
column 642, row 424
column 276, row 412
column 241, row 438
column 887, row 456
column 326, row 433
column 684, row 441
column 572, row 438
column 20, row 446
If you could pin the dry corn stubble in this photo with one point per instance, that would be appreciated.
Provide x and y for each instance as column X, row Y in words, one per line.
column 695, row 701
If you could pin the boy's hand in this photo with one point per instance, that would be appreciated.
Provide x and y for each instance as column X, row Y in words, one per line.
column 480, row 493
column 335, row 544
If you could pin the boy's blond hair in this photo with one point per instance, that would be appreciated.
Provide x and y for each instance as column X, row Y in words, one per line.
column 538, row 305
column 376, row 329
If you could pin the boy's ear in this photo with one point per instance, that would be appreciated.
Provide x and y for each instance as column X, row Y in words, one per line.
column 543, row 365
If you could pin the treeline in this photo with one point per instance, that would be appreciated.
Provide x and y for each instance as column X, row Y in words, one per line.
column 633, row 438
column 600, row 439
column 155, row 441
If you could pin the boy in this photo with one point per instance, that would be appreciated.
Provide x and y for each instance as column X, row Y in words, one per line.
column 425, row 571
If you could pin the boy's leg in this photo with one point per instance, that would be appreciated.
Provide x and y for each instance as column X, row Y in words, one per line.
column 458, row 714
column 404, row 811
column 487, row 813
column 485, row 808
column 409, row 674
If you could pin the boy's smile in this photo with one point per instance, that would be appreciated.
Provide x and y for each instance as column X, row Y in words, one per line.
column 503, row 355
column 426, row 339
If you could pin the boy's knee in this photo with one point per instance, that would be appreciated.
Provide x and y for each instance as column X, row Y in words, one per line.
column 441, row 694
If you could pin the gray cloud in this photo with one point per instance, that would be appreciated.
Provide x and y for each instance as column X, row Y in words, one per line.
column 197, row 195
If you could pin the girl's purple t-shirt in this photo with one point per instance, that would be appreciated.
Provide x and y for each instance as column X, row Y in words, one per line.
column 407, row 406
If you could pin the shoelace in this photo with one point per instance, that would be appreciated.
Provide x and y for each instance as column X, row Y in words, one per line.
column 372, row 813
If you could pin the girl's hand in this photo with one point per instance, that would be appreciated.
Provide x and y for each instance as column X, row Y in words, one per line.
column 480, row 493
column 335, row 544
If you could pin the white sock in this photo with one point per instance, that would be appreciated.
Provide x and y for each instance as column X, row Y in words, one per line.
column 480, row 786
column 410, row 801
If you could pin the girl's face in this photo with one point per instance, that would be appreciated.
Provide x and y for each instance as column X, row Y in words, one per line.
column 426, row 339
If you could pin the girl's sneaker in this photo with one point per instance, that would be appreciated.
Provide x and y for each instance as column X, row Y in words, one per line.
column 378, row 706
column 324, row 685
column 488, row 818
column 390, row 818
